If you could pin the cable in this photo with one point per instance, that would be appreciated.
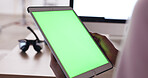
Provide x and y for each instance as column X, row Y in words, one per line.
column 33, row 32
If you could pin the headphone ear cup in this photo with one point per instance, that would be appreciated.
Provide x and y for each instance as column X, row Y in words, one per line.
column 23, row 45
column 24, row 48
column 37, row 46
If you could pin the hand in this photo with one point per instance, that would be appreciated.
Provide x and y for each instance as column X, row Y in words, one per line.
column 109, row 50
column 56, row 68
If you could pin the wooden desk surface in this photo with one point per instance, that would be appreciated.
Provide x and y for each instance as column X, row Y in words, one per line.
column 27, row 65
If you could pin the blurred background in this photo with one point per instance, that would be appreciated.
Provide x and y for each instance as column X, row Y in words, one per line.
column 14, row 19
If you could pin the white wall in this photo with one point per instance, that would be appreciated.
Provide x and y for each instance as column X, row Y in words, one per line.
column 8, row 6
column 15, row 7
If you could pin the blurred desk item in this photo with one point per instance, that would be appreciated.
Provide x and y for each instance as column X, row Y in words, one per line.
column 24, row 12
column 31, row 64
column 50, row 2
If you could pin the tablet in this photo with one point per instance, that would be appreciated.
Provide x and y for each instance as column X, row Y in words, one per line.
column 70, row 42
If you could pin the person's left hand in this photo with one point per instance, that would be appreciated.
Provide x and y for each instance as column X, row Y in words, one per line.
column 56, row 68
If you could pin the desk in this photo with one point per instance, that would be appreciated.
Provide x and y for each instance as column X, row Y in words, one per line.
column 27, row 65
column 31, row 64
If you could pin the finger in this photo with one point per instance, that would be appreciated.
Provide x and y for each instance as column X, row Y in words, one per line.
column 96, row 40
column 97, row 35
column 56, row 68
column 53, row 61
column 53, row 58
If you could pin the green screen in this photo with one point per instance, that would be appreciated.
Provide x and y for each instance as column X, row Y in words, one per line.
column 70, row 40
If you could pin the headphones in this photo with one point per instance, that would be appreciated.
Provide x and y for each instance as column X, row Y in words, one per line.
column 24, row 43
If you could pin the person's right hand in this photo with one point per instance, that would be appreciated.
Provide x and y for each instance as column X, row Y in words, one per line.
column 108, row 48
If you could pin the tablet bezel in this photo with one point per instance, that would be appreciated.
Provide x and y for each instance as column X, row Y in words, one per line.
column 90, row 73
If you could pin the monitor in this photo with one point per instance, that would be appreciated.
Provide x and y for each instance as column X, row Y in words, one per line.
column 115, row 11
